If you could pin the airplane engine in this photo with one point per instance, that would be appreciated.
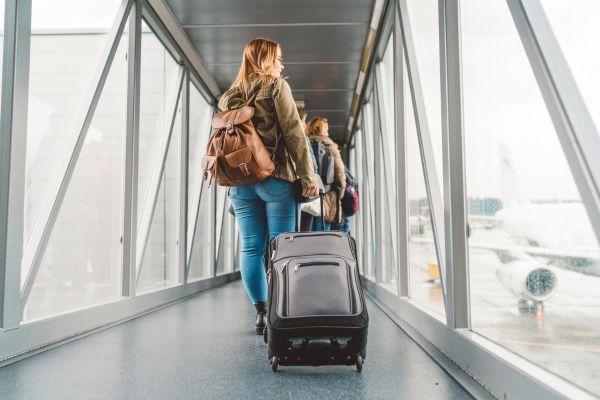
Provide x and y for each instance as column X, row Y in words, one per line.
column 527, row 280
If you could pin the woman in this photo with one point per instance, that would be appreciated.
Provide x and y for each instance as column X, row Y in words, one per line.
column 318, row 130
column 266, row 208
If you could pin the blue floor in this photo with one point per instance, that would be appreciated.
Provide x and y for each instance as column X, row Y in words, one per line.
column 205, row 348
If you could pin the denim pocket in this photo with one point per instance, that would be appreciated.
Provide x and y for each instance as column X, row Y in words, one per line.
column 277, row 187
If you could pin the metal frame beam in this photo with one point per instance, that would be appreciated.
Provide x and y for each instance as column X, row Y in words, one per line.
column 400, row 146
column 432, row 186
column 578, row 136
column 52, row 202
column 183, row 179
column 376, row 205
column 13, row 146
column 455, row 194
column 160, row 158
column 132, row 151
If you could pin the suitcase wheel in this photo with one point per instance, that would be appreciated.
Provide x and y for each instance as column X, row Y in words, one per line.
column 359, row 363
column 274, row 363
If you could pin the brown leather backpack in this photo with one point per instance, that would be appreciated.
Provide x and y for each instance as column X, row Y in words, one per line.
column 235, row 154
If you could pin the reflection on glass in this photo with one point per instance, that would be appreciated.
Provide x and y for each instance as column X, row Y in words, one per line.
column 534, row 258
column 64, row 55
column 425, row 284
column 575, row 25
column 160, row 261
column 81, row 265
column 200, row 261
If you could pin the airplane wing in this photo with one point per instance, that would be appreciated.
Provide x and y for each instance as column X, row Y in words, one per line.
column 583, row 261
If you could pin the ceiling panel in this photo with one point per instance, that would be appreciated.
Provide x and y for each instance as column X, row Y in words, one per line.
column 300, row 44
column 229, row 12
column 322, row 42
column 325, row 100
column 321, row 76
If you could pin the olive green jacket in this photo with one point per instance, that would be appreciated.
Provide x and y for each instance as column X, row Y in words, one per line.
column 278, row 96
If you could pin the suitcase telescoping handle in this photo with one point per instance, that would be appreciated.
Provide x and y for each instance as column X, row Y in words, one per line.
column 322, row 213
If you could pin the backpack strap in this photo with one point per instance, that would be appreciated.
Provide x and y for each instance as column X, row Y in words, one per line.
column 252, row 98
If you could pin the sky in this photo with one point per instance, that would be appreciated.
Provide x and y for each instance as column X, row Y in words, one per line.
column 502, row 102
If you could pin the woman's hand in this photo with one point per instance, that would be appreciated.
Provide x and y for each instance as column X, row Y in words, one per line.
column 311, row 191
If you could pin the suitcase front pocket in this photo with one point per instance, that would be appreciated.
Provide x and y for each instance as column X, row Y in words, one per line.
column 317, row 287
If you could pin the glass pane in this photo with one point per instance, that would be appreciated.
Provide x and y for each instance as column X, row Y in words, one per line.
column 64, row 55
column 575, row 25
column 158, row 81
column 161, row 257
column 423, row 15
column 425, row 285
column 81, row 265
column 533, row 254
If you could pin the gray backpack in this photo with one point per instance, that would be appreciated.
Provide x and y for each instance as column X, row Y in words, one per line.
column 325, row 164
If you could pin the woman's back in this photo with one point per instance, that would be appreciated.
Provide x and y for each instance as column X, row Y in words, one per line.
column 276, row 95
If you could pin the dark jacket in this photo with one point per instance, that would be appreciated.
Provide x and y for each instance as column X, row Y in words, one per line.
column 278, row 96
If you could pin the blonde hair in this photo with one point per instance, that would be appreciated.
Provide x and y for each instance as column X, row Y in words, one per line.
column 315, row 125
column 258, row 60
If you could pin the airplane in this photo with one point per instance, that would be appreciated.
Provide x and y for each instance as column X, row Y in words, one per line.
column 541, row 237
column 546, row 235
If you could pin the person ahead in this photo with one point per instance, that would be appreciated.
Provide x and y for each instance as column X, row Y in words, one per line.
column 266, row 208
column 318, row 130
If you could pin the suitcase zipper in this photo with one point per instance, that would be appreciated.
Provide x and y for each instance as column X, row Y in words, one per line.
column 314, row 263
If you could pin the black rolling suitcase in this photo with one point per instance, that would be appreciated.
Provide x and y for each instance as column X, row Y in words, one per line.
column 316, row 310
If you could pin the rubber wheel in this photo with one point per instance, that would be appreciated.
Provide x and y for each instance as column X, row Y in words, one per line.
column 359, row 363
column 274, row 363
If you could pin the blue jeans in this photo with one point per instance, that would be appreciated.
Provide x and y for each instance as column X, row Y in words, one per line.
column 344, row 226
column 263, row 210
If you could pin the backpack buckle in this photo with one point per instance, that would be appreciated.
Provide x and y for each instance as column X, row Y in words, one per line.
column 229, row 127
column 244, row 169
